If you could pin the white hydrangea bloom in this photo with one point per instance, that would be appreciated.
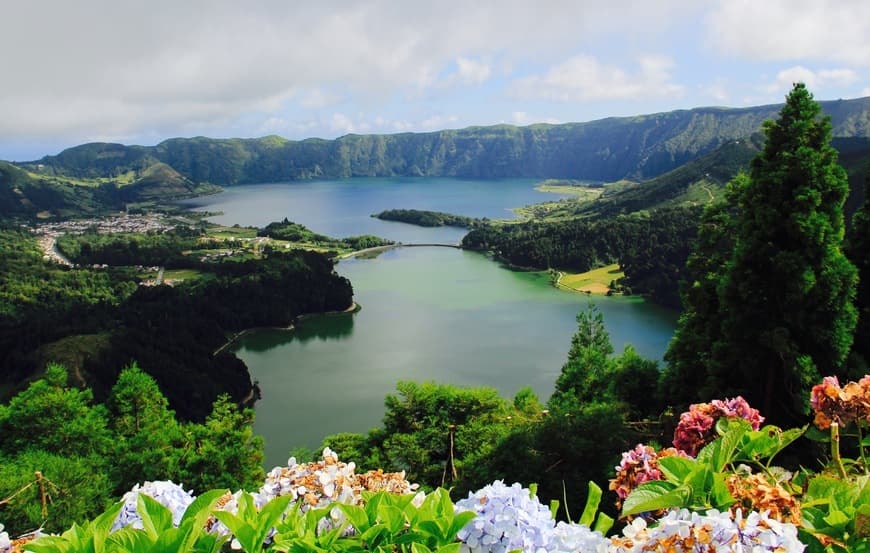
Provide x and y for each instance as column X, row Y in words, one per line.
column 5, row 542
column 712, row 531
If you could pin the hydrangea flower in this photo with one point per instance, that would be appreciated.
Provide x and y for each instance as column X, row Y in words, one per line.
column 639, row 465
column 5, row 542
column 8, row 545
column 682, row 530
column 170, row 495
column 571, row 538
column 846, row 404
column 755, row 492
column 697, row 426
column 321, row 483
column 509, row 518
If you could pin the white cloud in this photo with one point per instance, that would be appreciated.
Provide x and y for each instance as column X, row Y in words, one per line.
column 833, row 31
column 436, row 122
column 583, row 78
column 866, row 92
column 101, row 66
column 718, row 91
column 471, row 71
column 815, row 80
column 522, row 118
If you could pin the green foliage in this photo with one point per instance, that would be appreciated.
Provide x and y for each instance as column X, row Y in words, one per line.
column 251, row 526
column 225, row 451
column 54, row 429
column 76, row 488
column 425, row 218
column 147, row 435
column 633, row 383
column 52, row 417
column 651, row 248
column 779, row 312
column 858, row 251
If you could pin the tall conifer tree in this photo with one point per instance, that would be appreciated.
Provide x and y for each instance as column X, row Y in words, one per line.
column 786, row 298
column 858, row 251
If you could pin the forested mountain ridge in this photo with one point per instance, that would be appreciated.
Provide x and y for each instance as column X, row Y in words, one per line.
column 639, row 147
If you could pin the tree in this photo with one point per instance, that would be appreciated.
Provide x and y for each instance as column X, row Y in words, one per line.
column 586, row 374
column 50, row 416
column 785, row 302
column 225, row 452
column 858, row 251
column 699, row 326
column 147, row 436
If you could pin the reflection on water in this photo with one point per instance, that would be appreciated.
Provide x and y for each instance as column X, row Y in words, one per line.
column 327, row 328
column 437, row 314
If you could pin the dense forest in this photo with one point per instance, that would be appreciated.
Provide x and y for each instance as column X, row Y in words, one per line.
column 100, row 320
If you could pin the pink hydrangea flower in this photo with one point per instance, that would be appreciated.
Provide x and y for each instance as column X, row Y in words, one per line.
column 697, row 426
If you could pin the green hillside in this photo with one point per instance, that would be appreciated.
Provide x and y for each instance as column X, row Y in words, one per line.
column 640, row 147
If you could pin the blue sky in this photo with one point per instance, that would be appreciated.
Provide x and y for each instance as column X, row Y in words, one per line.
column 141, row 72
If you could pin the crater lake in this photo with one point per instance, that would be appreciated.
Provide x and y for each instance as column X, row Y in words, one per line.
column 428, row 313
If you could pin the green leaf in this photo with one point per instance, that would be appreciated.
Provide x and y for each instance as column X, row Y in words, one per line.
column 700, row 483
column 593, row 499
column 102, row 525
column 373, row 534
column 419, row 548
column 155, row 517
column 603, row 524
column 130, row 539
column 675, row 468
column 652, row 498
column 728, row 443
column 837, row 519
column 201, row 507
column 720, row 497
column 554, row 507
column 449, row 548
column 460, row 521
column 271, row 513
column 356, row 515
column 50, row 544
column 394, row 518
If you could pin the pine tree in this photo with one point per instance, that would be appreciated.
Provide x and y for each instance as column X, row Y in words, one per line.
column 585, row 375
column 786, row 299
column 858, row 251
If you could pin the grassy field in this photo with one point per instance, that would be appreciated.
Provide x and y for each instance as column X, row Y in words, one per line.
column 596, row 281
column 232, row 233
column 183, row 274
column 127, row 178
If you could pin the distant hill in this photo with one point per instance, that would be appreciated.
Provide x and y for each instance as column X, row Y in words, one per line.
column 48, row 194
column 637, row 148
column 702, row 180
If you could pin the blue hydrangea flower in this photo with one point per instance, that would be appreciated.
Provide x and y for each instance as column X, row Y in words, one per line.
column 170, row 495
column 508, row 518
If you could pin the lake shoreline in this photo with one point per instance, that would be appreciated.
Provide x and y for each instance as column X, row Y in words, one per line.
column 354, row 307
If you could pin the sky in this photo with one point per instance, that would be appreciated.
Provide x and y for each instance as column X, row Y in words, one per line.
column 140, row 72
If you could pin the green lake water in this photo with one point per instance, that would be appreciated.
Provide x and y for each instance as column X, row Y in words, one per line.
column 428, row 313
